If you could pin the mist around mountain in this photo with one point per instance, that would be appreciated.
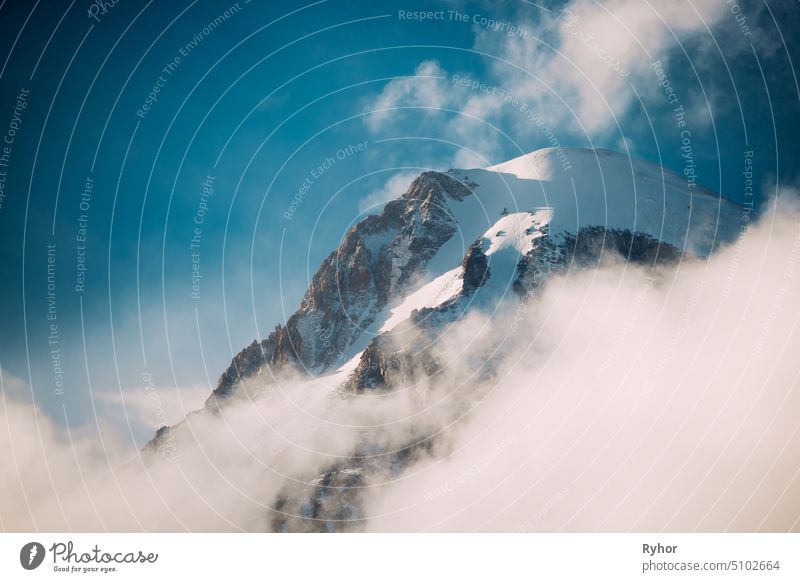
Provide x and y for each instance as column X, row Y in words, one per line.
column 533, row 346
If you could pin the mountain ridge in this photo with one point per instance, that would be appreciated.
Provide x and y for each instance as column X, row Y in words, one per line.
column 379, row 256
column 456, row 242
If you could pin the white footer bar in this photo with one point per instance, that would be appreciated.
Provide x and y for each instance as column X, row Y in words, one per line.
column 406, row 557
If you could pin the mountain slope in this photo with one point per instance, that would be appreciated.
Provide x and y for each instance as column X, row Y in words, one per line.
column 377, row 259
column 456, row 242
column 366, row 286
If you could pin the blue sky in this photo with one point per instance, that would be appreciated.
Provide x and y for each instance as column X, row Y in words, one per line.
column 269, row 98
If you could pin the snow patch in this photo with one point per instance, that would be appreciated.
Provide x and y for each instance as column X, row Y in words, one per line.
column 432, row 294
column 517, row 231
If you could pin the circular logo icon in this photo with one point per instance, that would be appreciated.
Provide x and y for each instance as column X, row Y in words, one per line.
column 31, row 555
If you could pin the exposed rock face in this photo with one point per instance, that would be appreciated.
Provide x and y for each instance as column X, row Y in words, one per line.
column 592, row 242
column 333, row 501
column 375, row 261
column 394, row 360
column 330, row 503
column 476, row 267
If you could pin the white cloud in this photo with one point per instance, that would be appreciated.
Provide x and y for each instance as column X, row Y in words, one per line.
column 467, row 158
column 151, row 407
column 629, row 404
column 13, row 387
column 597, row 51
column 426, row 88
column 579, row 71
column 393, row 188
column 452, row 115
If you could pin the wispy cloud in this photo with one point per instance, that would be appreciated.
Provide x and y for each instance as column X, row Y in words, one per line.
column 150, row 407
column 580, row 71
column 628, row 401
column 428, row 103
column 582, row 66
column 393, row 188
column 425, row 89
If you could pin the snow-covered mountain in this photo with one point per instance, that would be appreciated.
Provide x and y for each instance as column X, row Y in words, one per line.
column 424, row 250
column 459, row 241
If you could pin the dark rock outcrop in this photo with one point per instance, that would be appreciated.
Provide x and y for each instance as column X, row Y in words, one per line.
column 333, row 501
column 476, row 267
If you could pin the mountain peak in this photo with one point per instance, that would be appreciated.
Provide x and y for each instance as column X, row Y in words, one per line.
column 459, row 242
column 597, row 187
column 467, row 239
